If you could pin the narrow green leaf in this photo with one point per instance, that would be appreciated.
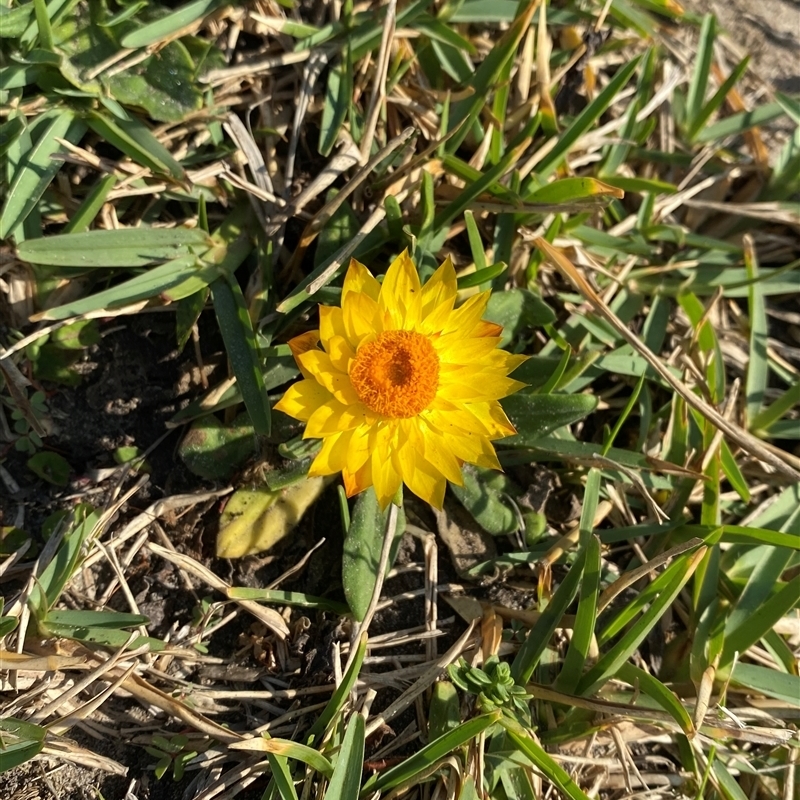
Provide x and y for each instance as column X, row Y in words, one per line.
column 284, row 598
column 543, row 761
column 166, row 26
column 124, row 247
column 338, row 95
column 181, row 272
column 760, row 621
column 240, row 344
column 540, row 634
column 37, row 169
column 663, row 591
column 702, row 71
column 430, row 754
column 585, row 620
column 716, row 101
column 340, row 695
column 345, row 782
column 91, row 205
column 136, row 141
column 586, row 119
column 656, row 690
column 279, row 765
column 487, row 74
column 764, row 422
column 780, row 685
column 19, row 742
column 757, row 365
column 740, row 122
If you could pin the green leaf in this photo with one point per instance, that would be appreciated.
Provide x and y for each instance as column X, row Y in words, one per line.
column 444, row 712
column 430, row 754
column 338, row 231
column 585, row 620
column 363, row 543
column 257, row 518
column 757, row 375
column 282, row 776
column 662, row 591
column 482, row 495
column 487, row 75
column 536, row 415
column 284, row 598
column 125, row 247
column 51, row 467
column 165, row 85
column 540, row 634
column 740, row 122
column 740, row 638
column 19, row 742
column 166, row 26
column 240, row 344
column 213, row 450
column 80, row 524
column 569, row 190
column 702, row 71
column 37, row 169
column 95, row 619
column 653, row 688
column 518, row 310
column 338, row 96
column 182, row 273
column 133, row 138
column 340, row 695
column 586, row 119
column 532, row 750
column 780, row 685
column 345, row 782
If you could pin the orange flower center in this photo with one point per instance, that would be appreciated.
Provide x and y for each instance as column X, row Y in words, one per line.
column 396, row 375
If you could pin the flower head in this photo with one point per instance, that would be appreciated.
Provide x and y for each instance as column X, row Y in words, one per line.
column 402, row 386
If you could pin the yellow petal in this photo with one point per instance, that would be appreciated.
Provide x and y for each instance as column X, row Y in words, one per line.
column 477, row 386
column 492, row 416
column 457, row 350
column 336, row 382
column 333, row 417
column 332, row 458
column 486, row 328
column 400, row 292
column 440, row 289
column 385, row 477
column 440, row 456
column 457, row 421
column 473, row 449
column 301, row 399
column 331, row 323
column 467, row 316
column 424, row 480
column 362, row 318
column 302, row 344
column 358, row 480
column 341, row 353
column 359, row 280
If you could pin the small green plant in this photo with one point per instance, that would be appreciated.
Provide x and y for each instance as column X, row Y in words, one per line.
column 494, row 687
column 29, row 440
column 173, row 753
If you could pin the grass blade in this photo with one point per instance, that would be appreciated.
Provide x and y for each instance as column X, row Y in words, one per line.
column 242, row 349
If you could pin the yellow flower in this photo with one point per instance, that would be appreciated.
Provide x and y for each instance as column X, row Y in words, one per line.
column 405, row 388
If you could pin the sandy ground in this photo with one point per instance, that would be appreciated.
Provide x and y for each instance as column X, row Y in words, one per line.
column 768, row 29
